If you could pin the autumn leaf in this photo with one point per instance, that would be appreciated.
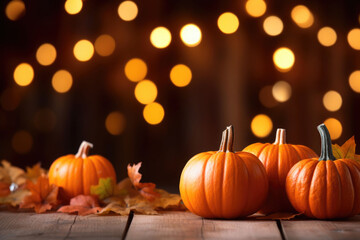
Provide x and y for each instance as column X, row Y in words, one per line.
column 104, row 189
column 34, row 172
column 4, row 189
column 15, row 198
column 279, row 216
column 10, row 174
column 347, row 150
column 83, row 205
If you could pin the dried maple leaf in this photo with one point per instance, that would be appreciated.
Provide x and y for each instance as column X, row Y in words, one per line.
column 279, row 216
column 105, row 188
column 34, row 172
column 15, row 198
column 4, row 189
column 83, row 205
column 10, row 174
column 347, row 150
column 43, row 195
column 118, row 207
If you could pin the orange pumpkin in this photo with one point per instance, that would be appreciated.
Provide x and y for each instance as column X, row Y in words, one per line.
column 278, row 158
column 77, row 173
column 224, row 184
column 324, row 187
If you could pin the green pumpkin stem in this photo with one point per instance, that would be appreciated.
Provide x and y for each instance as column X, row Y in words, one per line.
column 223, row 141
column 326, row 148
column 84, row 149
column 230, row 139
column 280, row 136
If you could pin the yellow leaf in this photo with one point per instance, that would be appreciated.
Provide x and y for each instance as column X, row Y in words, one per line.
column 337, row 151
column 348, row 148
column 15, row 198
column 104, row 189
column 115, row 207
column 10, row 174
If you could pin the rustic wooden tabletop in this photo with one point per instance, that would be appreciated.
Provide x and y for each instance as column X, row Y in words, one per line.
column 168, row 225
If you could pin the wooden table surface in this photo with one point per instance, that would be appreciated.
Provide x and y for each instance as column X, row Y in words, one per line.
column 168, row 225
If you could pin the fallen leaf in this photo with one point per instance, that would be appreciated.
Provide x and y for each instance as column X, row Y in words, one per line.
column 10, row 174
column 15, row 198
column 279, row 216
column 115, row 207
column 347, row 150
column 4, row 189
column 34, row 172
column 83, row 205
column 104, row 189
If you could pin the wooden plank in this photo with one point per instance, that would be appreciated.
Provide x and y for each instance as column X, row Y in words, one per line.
column 185, row 225
column 321, row 229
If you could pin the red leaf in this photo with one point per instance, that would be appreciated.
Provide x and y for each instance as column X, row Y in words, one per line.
column 83, row 205
column 4, row 189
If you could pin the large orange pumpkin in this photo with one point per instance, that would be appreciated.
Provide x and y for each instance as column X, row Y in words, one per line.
column 278, row 158
column 224, row 184
column 77, row 173
column 324, row 187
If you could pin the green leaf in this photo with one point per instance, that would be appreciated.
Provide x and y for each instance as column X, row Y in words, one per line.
column 104, row 189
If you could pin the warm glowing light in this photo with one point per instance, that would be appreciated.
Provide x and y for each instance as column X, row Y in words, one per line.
column 73, row 6
column 255, row 8
column 15, row 10
column 353, row 38
column 135, row 69
column 190, row 35
column 83, row 50
column 327, row 36
column 273, row 25
column 266, row 97
column 45, row 120
column 283, row 59
column 281, row 91
column 115, row 123
column 22, row 142
column 145, row 91
column 160, row 37
column 153, row 113
column 261, row 125
column 46, row 54
column 302, row 16
column 128, row 10
column 62, row 81
column 104, row 45
column 332, row 101
column 354, row 81
column 10, row 99
column 334, row 126
column 180, row 75
column 228, row 23
column 23, row 74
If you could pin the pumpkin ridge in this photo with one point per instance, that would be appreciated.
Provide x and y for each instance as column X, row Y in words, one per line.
column 94, row 169
column 352, row 169
column 203, row 185
column 317, row 174
column 332, row 172
column 69, row 176
column 245, row 205
column 343, row 203
column 309, row 187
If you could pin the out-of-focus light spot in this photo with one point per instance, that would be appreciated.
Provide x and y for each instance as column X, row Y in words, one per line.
column 273, row 26
column 73, row 6
column 10, row 99
column 327, row 36
column 266, row 97
column 302, row 16
column 15, row 10
column 332, row 101
column 128, row 10
column 23, row 74
column 160, row 37
column 22, row 142
column 145, row 91
column 353, row 38
column 83, row 50
column 45, row 120
column 281, row 91
column 46, row 54
column 261, row 125
column 104, row 45
column 190, row 34
column 135, row 69
column 62, row 81
column 153, row 113
column 228, row 23
column 180, row 75
column 115, row 123
column 354, row 81
column 283, row 59
column 255, row 8
column 334, row 126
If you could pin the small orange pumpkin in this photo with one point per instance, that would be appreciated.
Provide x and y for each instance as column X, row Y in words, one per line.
column 278, row 158
column 77, row 173
column 224, row 184
column 324, row 187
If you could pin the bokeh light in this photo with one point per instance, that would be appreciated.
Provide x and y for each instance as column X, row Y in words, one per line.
column 145, row 91
column 273, row 26
column 283, row 59
column 334, row 126
column 354, row 81
column 73, row 6
column 266, row 97
column 327, row 36
column 332, row 101
column 228, row 23
column 302, row 16
column 281, row 91
column 255, row 8
column 104, row 45
column 261, row 125
column 153, row 113
column 46, row 54
column 180, row 75
column 115, row 123
column 45, row 120
column 10, row 99
column 353, row 38
column 160, row 37
column 83, row 50
column 22, row 142
column 15, row 10
column 62, row 81
column 191, row 35
column 127, row 10
column 23, row 74
column 135, row 69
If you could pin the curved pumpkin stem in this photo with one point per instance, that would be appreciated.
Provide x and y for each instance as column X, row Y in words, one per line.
column 223, row 141
column 84, row 149
column 230, row 139
column 280, row 136
column 326, row 148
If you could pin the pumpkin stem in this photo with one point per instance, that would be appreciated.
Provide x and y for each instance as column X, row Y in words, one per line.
column 223, row 141
column 230, row 138
column 84, row 149
column 326, row 148
column 280, row 136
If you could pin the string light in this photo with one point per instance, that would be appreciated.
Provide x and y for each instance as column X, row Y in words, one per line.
column 145, row 91
column 153, row 113
column 22, row 142
column 273, row 26
column 73, row 7
column 332, row 101
column 190, row 34
column 160, row 37
column 281, row 91
column 228, row 23
column 104, row 45
column 128, row 10
column 15, row 10
column 353, row 38
column 115, row 123
column 255, row 8
column 62, row 81
column 327, row 36
column 135, row 69
column 23, row 74
column 284, row 59
column 46, row 54
column 335, row 128
column 354, row 81
column 261, row 125
column 180, row 75
column 83, row 50
column 302, row 16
